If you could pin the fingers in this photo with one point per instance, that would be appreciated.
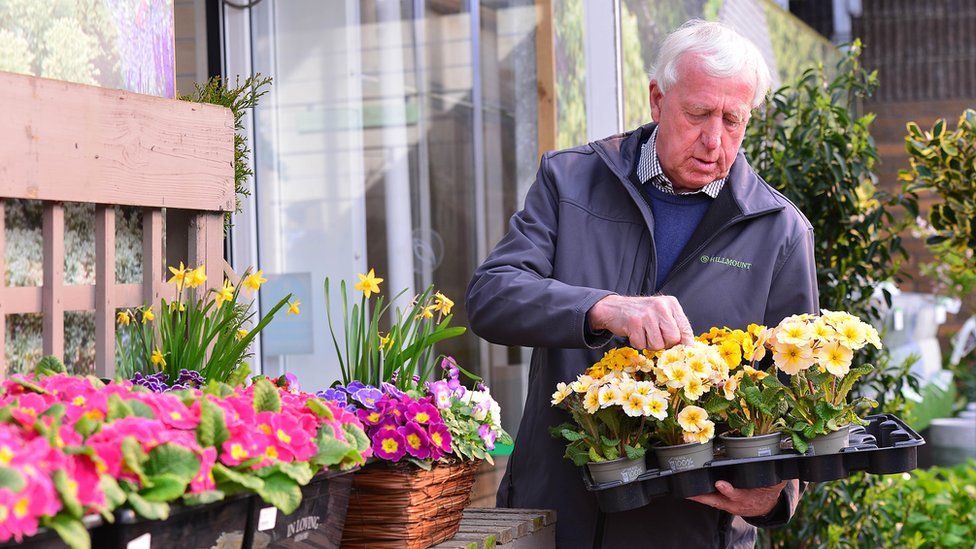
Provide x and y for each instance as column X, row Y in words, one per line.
column 726, row 489
column 687, row 334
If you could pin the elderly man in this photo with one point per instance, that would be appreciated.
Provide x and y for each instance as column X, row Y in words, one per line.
column 652, row 236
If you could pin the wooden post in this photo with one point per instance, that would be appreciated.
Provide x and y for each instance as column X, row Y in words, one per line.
column 3, row 284
column 53, row 291
column 153, row 272
column 105, row 291
column 206, row 245
column 545, row 69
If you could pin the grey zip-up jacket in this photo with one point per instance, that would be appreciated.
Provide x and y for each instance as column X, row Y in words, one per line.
column 587, row 232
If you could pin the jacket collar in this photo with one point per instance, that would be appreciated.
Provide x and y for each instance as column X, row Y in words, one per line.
column 748, row 194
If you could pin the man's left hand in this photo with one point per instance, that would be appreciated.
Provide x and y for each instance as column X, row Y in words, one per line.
column 753, row 502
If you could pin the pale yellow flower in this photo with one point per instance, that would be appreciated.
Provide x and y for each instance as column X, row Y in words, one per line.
column 656, row 406
column 442, row 304
column 591, row 400
column 692, row 418
column 562, row 391
column 694, row 389
column 253, row 281
column 582, row 384
column 645, row 388
column 699, row 366
column 242, row 333
column 852, row 333
column 157, row 358
column 123, row 318
column 368, row 283
column 634, row 404
column 794, row 333
column 426, row 312
column 730, row 386
column 677, row 374
column 701, row 436
column 835, row 358
column 822, row 330
column 670, row 356
column 293, row 307
column 792, row 358
column 756, row 375
column 224, row 293
column 609, row 395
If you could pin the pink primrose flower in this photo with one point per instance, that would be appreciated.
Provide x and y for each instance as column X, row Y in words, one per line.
column 416, row 440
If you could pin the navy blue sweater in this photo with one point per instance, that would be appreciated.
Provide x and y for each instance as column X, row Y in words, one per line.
column 675, row 219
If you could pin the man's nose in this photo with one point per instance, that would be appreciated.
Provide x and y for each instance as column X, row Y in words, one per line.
column 711, row 135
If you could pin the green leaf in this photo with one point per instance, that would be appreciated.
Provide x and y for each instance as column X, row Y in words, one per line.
column 172, row 459
column 164, row 487
column 281, row 491
column 633, row 453
column 266, row 397
column 298, row 471
column 212, row 430
column 114, row 495
column 331, row 451
column 148, row 509
column 225, row 476
column 133, row 457
column 319, row 407
column 11, row 479
column 799, row 444
column 68, row 493
column 49, row 365
column 203, row 498
column 140, row 409
column 570, row 435
column 118, row 409
column 71, row 531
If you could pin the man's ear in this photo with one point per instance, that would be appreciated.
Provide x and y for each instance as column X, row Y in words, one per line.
column 655, row 97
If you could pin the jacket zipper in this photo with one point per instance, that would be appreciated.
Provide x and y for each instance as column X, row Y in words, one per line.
column 734, row 221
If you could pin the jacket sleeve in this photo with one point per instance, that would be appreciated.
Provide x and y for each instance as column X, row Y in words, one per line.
column 794, row 288
column 512, row 298
column 780, row 516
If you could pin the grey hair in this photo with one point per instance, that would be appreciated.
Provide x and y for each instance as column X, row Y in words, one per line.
column 723, row 53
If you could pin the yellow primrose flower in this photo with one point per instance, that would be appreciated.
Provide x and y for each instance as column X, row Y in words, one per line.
column 852, row 334
column 582, row 384
column 597, row 371
column 670, row 356
column 745, row 408
column 293, row 308
column 253, row 281
column 591, row 400
column 871, row 336
column 609, row 395
column 442, row 304
column 756, row 375
column 794, row 333
column 792, row 358
column 157, row 358
column 179, row 275
column 730, row 386
column 731, row 352
column 699, row 367
column 702, row 435
column 677, row 375
column 148, row 315
column 562, row 391
column 692, row 418
column 634, row 405
column 242, row 333
column 694, row 389
column 123, row 318
column 835, row 358
column 656, row 406
column 368, row 283
column 224, row 293
column 196, row 277
column 822, row 330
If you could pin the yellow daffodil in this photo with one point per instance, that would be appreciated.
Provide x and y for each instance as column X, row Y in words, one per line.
column 196, row 277
column 253, row 281
column 241, row 333
column 835, row 358
column 224, row 293
column 177, row 305
column 386, row 342
column 368, row 283
column 792, row 358
column 148, row 315
column 179, row 275
column 157, row 358
column 442, row 304
column 426, row 312
column 293, row 307
column 123, row 318
column 562, row 391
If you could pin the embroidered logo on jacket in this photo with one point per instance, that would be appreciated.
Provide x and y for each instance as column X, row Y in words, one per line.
column 726, row 261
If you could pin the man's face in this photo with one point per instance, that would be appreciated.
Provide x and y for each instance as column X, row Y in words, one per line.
column 702, row 121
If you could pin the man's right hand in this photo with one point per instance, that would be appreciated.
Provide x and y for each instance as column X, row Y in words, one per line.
column 654, row 323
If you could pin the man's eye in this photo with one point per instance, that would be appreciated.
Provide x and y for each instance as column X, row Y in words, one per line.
column 732, row 123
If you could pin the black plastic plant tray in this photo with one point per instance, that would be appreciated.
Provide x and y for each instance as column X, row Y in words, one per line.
column 317, row 523
column 46, row 538
column 885, row 446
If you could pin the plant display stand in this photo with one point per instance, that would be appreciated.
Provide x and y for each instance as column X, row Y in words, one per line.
column 482, row 528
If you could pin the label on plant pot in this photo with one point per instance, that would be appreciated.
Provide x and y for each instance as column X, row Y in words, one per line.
column 267, row 518
column 142, row 542
column 630, row 474
column 763, row 452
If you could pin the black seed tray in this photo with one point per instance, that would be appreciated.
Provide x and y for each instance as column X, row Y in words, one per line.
column 885, row 446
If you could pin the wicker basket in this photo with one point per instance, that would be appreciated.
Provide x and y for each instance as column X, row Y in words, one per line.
column 401, row 506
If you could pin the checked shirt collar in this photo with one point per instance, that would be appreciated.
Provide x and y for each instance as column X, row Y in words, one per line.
column 649, row 170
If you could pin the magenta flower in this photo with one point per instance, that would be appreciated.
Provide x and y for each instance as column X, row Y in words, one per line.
column 416, row 439
column 488, row 435
column 442, row 393
column 440, row 439
column 422, row 412
column 389, row 445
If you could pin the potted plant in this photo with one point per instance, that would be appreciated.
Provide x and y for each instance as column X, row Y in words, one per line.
column 613, row 405
column 751, row 401
column 817, row 353
column 689, row 374
column 428, row 434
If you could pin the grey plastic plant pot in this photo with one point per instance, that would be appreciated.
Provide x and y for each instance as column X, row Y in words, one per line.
column 737, row 447
column 831, row 443
column 683, row 457
column 623, row 469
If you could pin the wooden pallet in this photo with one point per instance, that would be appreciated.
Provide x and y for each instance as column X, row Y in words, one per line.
column 483, row 528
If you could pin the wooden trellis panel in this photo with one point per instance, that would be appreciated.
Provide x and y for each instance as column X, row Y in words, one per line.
column 63, row 142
